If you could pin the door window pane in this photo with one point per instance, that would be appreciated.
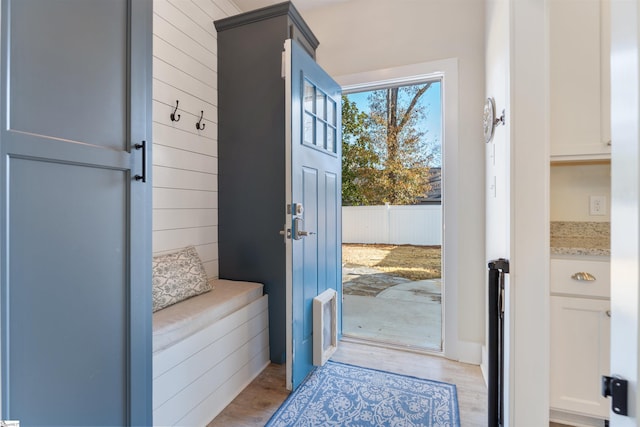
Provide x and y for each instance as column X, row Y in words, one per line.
column 321, row 129
column 331, row 111
column 309, row 122
column 309, row 95
column 331, row 138
column 320, row 104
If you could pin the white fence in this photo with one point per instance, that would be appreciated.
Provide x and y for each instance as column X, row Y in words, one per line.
column 399, row 225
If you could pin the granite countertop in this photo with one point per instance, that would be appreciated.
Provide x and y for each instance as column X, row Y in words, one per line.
column 580, row 238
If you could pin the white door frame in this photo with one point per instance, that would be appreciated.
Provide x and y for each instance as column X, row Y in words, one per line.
column 527, row 344
column 517, row 75
column 447, row 70
column 625, row 200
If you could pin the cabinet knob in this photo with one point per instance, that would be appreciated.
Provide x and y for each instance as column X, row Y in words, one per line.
column 583, row 276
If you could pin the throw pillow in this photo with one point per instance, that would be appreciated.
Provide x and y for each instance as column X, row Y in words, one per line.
column 178, row 276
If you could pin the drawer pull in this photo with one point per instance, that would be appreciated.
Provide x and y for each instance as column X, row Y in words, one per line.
column 582, row 276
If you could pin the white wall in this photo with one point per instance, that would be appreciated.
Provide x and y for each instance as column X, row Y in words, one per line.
column 185, row 163
column 498, row 151
column 365, row 35
column 517, row 69
column 571, row 186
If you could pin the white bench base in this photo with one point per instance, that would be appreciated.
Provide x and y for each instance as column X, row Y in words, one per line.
column 196, row 378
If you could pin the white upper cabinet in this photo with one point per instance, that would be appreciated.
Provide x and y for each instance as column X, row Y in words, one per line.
column 579, row 79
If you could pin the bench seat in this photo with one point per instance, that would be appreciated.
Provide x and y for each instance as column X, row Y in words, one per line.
column 176, row 322
column 206, row 350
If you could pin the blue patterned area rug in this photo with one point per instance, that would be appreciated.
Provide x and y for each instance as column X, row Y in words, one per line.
column 343, row 395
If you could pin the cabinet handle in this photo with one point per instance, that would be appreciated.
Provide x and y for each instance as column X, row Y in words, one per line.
column 608, row 313
column 583, row 276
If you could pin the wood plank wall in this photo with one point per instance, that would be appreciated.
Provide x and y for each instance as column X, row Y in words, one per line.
column 185, row 160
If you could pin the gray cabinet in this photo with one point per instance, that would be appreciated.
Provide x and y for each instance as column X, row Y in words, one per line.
column 75, row 227
column 251, row 133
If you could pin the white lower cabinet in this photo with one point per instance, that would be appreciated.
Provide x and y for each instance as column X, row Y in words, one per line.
column 580, row 330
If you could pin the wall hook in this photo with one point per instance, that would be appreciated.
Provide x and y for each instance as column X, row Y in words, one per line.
column 500, row 120
column 200, row 125
column 175, row 117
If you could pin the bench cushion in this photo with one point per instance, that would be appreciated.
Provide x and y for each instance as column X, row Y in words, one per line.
column 179, row 321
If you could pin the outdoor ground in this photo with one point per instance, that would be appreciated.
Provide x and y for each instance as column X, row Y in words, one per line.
column 369, row 269
column 408, row 261
column 393, row 294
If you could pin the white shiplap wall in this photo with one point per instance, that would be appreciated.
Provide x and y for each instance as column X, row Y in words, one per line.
column 185, row 160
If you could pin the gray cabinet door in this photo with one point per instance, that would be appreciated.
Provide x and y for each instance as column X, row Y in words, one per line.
column 74, row 222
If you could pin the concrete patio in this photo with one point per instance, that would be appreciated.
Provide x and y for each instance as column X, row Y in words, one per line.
column 381, row 307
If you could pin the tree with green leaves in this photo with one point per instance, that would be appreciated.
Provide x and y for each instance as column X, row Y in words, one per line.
column 359, row 160
column 386, row 156
column 401, row 146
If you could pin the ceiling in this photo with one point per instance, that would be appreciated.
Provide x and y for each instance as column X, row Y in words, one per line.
column 247, row 5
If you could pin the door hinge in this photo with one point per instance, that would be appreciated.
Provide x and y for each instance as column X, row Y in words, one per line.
column 283, row 72
column 617, row 389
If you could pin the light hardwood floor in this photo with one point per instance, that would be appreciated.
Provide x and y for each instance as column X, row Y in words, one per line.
column 255, row 405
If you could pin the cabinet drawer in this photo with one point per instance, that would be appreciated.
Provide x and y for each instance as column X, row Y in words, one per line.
column 562, row 282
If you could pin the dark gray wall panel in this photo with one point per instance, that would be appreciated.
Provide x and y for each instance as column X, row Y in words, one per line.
column 251, row 159
column 251, row 152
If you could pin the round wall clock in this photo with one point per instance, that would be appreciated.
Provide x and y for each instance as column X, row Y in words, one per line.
column 489, row 119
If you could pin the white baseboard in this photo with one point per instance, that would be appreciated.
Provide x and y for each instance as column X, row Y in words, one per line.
column 576, row 420
column 466, row 352
column 483, row 365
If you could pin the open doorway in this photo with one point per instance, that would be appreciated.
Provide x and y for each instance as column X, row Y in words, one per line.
column 392, row 214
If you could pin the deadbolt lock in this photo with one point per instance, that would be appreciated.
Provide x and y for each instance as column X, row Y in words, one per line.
column 295, row 209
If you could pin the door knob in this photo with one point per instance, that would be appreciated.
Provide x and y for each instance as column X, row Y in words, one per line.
column 302, row 233
column 297, row 231
column 286, row 232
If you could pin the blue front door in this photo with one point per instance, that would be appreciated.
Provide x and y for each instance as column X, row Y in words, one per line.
column 313, row 200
